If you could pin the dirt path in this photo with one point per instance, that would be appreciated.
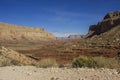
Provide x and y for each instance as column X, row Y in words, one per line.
column 33, row 73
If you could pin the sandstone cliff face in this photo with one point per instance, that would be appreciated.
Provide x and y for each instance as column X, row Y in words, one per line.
column 10, row 32
column 110, row 20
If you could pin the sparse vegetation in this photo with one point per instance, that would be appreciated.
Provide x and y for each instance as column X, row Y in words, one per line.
column 83, row 61
column 45, row 63
column 7, row 62
column 103, row 62
column 4, row 61
column 96, row 62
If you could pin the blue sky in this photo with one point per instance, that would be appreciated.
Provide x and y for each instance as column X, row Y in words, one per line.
column 60, row 17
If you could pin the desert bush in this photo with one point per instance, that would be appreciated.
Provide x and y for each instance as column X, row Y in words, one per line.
column 45, row 63
column 83, row 61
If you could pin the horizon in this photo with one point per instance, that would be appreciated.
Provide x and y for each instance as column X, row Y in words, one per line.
column 59, row 17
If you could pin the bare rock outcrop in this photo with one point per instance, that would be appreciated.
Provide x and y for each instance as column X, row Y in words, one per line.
column 9, row 32
column 110, row 21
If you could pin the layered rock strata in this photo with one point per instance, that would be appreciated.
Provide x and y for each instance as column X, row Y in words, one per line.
column 10, row 32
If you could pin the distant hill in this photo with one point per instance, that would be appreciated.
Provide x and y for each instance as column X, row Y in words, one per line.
column 14, row 33
column 75, row 36
column 70, row 38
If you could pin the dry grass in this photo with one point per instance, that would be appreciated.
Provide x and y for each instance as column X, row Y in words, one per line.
column 4, row 61
column 45, row 63
column 96, row 62
column 103, row 62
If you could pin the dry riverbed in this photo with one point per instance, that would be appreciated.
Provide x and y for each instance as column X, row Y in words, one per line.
column 33, row 73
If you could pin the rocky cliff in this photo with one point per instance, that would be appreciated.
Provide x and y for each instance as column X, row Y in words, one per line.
column 9, row 32
column 110, row 21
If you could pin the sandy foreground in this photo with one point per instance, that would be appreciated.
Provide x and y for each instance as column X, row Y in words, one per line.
column 33, row 73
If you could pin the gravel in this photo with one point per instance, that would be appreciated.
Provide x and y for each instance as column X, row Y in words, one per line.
column 33, row 73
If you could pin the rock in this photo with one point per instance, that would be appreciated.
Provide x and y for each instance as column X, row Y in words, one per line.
column 110, row 20
column 112, row 15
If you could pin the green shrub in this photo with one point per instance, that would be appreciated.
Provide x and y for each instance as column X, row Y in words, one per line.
column 83, row 61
